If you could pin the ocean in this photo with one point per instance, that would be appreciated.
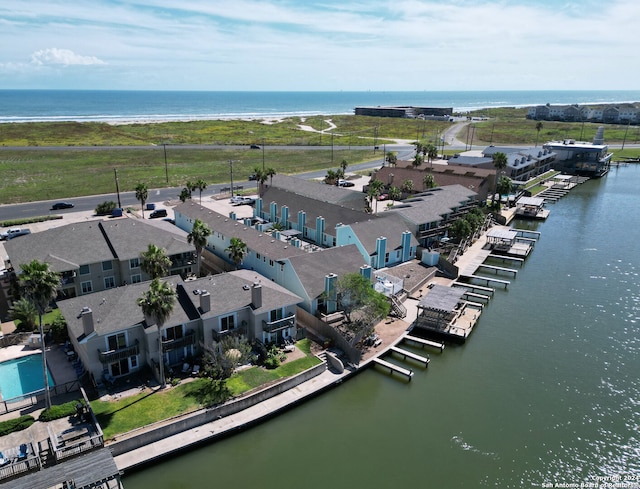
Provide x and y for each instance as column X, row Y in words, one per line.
column 154, row 106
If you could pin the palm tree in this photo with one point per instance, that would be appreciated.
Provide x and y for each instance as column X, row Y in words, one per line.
column 40, row 286
column 392, row 158
column 504, row 186
column 237, row 250
column 185, row 194
column 500, row 163
column 538, row 129
column 331, row 178
column 157, row 304
column 155, row 262
column 24, row 311
column 407, row 186
column 198, row 236
column 432, row 152
column 428, row 181
column 343, row 166
column 417, row 161
column 201, row 185
column 270, row 172
column 374, row 191
column 395, row 193
column 261, row 177
column 142, row 193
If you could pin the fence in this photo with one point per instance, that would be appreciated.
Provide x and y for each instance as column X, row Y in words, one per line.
column 37, row 397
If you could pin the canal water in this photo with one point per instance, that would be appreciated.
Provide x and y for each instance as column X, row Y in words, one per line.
column 546, row 390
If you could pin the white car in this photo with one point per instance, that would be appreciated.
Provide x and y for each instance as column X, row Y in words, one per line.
column 14, row 233
column 238, row 200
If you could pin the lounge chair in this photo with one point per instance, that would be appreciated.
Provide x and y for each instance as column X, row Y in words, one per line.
column 196, row 370
column 4, row 461
column 185, row 367
column 23, row 452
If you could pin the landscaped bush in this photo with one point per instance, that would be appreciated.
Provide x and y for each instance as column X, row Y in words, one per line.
column 105, row 208
column 28, row 220
column 59, row 411
column 18, row 424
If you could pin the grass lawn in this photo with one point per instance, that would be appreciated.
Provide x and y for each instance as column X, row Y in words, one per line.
column 132, row 412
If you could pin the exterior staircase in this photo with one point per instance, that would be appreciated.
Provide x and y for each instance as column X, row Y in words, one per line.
column 397, row 308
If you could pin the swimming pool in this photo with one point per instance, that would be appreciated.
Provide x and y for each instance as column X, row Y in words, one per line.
column 22, row 376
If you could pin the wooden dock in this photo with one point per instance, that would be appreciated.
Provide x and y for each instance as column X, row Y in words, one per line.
column 407, row 354
column 394, row 368
column 474, row 287
column 488, row 280
column 472, row 295
column 423, row 342
column 499, row 269
column 503, row 258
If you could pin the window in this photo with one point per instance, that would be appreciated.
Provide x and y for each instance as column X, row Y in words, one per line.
column 116, row 341
column 120, row 368
column 84, row 270
column 174, row 333
column 227, row 323
column 136, row 278
column 276, row 315
column 134, row 263
column 87, row 287
column 133, row 361
column 109, row 282
column 107, row 265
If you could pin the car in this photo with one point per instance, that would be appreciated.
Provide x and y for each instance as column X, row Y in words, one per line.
column 158, row 213
column 253, row 177
column 14, row 233
column 254, row 146
column 383, row 196
column 345, row 183
column 61, row 205
column 238, row 200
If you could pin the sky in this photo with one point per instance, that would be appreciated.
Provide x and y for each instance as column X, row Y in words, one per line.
column 333, row 45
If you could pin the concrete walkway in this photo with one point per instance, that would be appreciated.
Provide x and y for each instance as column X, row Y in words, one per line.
column 227, row 425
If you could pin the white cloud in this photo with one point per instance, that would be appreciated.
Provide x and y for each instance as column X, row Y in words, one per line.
column 327, row 45
column 64, row 57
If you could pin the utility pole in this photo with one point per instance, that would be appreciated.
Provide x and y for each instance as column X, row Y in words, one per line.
column 231, row 173
column 115, row 171
column 262, row 154
column 166, row 168
column 332, row 148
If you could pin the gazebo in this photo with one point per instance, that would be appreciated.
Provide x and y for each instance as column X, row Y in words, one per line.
column 439, row 308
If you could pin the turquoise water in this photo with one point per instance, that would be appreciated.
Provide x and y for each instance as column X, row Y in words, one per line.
column 22, row 376
column 129, row 106
column 546, row 390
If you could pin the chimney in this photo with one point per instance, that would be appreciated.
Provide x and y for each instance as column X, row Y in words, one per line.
column 205, row 301
column 87, row 320
column 256, row 296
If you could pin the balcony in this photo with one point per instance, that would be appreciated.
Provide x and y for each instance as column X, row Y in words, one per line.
column 112, row 356
column 189, row 339
column 278, row 324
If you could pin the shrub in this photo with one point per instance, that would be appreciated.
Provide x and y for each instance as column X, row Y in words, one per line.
column 18, row 424
column 272, row 362
column 105, row 208
column 60, row 411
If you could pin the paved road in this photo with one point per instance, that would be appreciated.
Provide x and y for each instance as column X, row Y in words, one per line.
column 128, row 199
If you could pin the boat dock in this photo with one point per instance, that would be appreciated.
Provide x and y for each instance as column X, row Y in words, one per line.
column 487, row 280
column 498, row 269
column 393, row 368
column 407, row 354
column 422, row 342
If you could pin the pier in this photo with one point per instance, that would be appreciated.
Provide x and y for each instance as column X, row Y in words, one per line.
column 488, row 280
column 474, row 287
column 394, row 368
column 407, row 354
column 504, row 258
column 498, row 269
column 423, row 342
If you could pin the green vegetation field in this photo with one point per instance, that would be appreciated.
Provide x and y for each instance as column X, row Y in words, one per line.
column 40, row 161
